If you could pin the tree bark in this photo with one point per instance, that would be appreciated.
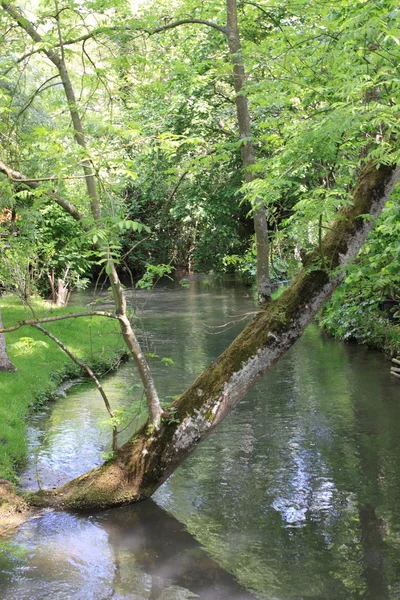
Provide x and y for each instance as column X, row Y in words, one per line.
column 146, row 461
column 5, row 362
column 247, row 150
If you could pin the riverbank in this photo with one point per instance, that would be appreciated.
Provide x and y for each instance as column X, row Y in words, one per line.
column 42, row 366
column 362, row 323
column 14, row 511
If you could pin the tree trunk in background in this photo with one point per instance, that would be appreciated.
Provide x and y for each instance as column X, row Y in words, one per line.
column 5, row 362
column 247, row 150
column 147, row 460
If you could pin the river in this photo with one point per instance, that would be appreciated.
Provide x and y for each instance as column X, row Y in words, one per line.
column 294, row 497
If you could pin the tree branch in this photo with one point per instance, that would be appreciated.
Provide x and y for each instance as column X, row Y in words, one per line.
column 104, row 30
column 41, row 88
column 59, row 63
column 175, row 188
column 78, row 362
column 153, row 401
column 17, row 177
column 142, row 464
column 265, row 12
column 32, row 322
column 55, row 178
column 188, row 22
column 226, row 98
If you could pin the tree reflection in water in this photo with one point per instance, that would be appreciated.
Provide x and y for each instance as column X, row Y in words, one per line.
column 138, row 552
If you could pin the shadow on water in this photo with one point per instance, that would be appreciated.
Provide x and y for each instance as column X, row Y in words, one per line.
column 138, row 552
column 167, row 553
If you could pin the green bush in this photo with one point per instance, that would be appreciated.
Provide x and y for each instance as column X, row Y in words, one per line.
column 354, row 312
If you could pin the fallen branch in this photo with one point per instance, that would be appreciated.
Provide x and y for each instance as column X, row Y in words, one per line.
column 141, row 465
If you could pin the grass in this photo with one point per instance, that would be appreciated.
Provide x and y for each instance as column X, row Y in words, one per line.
column 41, row 367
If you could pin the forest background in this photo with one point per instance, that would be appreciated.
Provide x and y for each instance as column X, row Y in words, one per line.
column 162, row 136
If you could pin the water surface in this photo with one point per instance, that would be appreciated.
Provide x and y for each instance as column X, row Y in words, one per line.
column 294, row 497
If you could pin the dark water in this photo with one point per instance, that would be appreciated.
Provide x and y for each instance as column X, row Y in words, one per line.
column 295, row 497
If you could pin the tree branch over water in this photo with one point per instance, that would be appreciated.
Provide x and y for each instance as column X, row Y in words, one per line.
column 78, row 362
column 150, row 456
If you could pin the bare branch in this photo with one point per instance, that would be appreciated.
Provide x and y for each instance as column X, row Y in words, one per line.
column 32, row 322
column 265, row 12
column 176, row 187
column 105, row 30
column 55, row 178
column 41, row 88
column 131, row 249
column 81, row 364
column 188, row 22
column 82, row 38
column 103, row 80
column 226, row 98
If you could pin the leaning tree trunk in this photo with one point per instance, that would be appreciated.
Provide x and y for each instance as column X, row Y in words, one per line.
column 5, row 362
column 145, row 462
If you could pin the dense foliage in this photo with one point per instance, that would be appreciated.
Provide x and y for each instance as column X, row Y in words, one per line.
column 365, row 307
column 161, row 134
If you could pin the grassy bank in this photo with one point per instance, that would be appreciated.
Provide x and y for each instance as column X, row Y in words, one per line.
column 42, row 366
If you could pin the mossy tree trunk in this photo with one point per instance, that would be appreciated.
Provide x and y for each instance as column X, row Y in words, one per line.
column 147, row 460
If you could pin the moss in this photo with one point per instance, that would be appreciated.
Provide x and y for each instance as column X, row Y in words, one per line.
column 278, row 317
column 371, row 187
column 141, row 465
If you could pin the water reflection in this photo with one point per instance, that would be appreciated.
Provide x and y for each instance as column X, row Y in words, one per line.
column 74, row 435
column 296, row 494
column 136, row 553
column 167, row 552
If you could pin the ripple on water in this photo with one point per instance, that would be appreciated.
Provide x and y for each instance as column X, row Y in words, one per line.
column 295, row 496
